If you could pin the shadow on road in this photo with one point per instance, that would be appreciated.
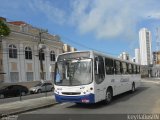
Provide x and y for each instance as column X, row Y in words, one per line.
column 122, row 97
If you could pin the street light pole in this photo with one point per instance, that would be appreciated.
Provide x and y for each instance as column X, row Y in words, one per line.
column 1, row 41
column 40, row 56
column 41, row 46
column 41, row 64
column 1, row 56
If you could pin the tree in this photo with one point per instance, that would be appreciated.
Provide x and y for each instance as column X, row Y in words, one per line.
column 4, row 29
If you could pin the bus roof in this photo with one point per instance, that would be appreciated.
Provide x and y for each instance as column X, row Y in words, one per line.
column 102, row 54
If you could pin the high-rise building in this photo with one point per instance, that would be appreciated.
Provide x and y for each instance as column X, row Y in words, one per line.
column 124, row 56
column 137, row 56
column 145, row 46
column 133, row 59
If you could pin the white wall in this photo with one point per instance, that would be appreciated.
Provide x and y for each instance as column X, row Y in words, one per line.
column 22, row 62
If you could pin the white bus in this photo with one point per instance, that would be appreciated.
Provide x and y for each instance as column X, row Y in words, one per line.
column 90, row 77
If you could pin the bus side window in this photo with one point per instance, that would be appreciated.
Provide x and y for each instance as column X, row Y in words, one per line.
column 130, row 69
column 138, row 69
column 109, row 66
column 127, row 67
column 117, row 66
column 99, row 69
column 134, row 69
column 124, row 68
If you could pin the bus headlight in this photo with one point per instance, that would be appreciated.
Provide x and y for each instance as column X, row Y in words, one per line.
column 56, row 92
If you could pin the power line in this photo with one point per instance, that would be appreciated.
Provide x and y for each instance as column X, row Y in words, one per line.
column 76, row 43
column 84, row 46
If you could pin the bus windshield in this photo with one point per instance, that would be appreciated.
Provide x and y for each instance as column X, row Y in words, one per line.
column 73, row 72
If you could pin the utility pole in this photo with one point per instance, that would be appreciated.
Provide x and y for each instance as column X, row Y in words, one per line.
column 41, row 48
column 1, row 60
column 1, row 36
column 157, row 45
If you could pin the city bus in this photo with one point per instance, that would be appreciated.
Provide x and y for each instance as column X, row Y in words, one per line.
column 91, row 77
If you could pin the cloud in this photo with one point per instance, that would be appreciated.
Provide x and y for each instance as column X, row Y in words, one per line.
column 106, row 19
column 48, row 8
column 154, row 15
column 109, row 18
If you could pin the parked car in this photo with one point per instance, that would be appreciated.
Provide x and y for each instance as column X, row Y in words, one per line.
column 42, row 87
column 13, row 90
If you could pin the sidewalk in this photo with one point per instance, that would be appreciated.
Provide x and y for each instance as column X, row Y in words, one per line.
column 153, row 80
column 26, row 105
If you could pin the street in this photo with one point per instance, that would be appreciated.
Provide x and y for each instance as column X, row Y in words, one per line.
column 146, row 99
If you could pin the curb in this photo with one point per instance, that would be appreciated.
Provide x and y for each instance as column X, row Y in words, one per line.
column 26, row 105
column 26, row 110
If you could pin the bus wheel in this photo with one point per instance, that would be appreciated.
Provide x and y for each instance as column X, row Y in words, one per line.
column 79, row 103
column 133, row 87
column 109, row 96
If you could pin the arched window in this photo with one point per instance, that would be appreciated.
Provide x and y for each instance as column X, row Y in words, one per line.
column 52, row 56
column 41, row 55
column 12, row 51
column 28, row 53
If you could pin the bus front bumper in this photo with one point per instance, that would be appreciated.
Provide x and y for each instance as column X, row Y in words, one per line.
column 90, row 98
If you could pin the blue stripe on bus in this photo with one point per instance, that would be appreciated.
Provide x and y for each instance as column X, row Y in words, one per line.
column 75, row 99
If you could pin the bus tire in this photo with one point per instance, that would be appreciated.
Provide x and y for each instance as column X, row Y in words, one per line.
column 133, row 88
column 79, row 103
column 109, row 95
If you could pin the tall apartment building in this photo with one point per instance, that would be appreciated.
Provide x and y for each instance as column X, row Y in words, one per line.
column 145, row 46
column 20, row 53
column 137, row 56
column 124, row 56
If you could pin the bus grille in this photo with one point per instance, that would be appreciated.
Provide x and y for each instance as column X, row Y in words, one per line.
column 71, row 93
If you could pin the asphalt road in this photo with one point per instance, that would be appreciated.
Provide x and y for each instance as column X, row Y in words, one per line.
column 29, row 96
column 146, row 99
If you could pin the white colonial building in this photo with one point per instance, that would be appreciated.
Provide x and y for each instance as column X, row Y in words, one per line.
column 20, row 51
